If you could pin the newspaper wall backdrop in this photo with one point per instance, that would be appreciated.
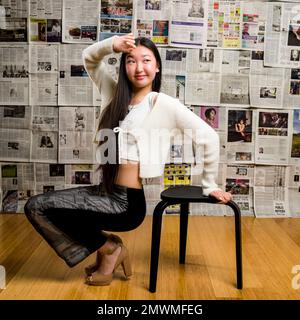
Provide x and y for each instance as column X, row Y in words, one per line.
column 236, row 64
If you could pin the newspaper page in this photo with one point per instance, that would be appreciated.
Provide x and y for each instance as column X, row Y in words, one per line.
column 81, row 175
column 203, row 60
column 224, row 24
column 43, row 58
column 44, row 146
column 239, row 182
column 266, row 91
column 291, row 97
column 254, row 15
column 45, row 21
column 14, row 81
column 295, row 145
column 235, row 90
column 76, row 133
column 18, row 185
column 289, row 54
column 13, row 20
column 282, row 35
column 49, row 177
column 174, row 85
column 44, row 134
column 15, row 144
column 74, row 85
column 294, row 190
column 44, row 118
column 174, row 60
column 202, row 88
column 43, row 89
column 176, row 175
column 240, row 137
column 271, row 192
column 151, row 20
column 80, row 21
column 235, row 61
column 272, row 35
column 15, row 117
column 273, row 132
column 188, row 23
column 116, row 18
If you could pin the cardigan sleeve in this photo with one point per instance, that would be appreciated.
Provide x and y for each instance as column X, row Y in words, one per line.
column 203, row 136
column 93, row 62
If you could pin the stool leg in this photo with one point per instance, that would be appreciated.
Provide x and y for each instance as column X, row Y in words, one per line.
column 184, row 215
column 155, row 243
column 238, row 244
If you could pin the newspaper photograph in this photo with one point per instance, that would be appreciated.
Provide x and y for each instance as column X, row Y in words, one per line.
column 116, row 17
column 271, row 192
column 44, row 146
column 202, row 88
column 14, row 92
column 49, row 177
column 75, row 87
column 240, row 137
column 18, row 185
column 13, row 21
column 15, row 145
column 188, row 23
column 273, row 132
column 80, row 21
column 45, row 22
column 81, row 174
column 152, row 20
column 15, row 117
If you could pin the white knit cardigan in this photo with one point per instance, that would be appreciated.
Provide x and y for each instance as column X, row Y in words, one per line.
column 167, row 115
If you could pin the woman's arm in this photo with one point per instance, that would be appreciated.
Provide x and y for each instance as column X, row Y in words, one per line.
column 203, row 136
column 93, row 62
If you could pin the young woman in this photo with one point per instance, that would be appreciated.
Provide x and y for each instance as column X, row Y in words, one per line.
column 72, row 220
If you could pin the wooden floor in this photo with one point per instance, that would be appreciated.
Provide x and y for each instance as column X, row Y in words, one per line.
column 271, row 247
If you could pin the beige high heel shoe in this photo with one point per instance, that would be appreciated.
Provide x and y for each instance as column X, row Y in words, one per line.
column 104, row 250
column 99, row 279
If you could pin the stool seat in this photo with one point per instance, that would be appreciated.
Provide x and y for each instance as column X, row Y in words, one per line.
column 188, row 193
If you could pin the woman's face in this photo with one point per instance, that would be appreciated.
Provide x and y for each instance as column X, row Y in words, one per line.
column 212, row 114
column 141, row 67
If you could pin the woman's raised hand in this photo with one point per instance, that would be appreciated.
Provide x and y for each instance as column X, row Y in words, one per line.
column 124, row 43
column 222, row 196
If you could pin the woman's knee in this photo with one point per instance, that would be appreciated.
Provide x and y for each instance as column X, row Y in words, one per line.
column 33, row 203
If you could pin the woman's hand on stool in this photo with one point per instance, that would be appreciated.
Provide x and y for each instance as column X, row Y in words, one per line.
column 222, row 196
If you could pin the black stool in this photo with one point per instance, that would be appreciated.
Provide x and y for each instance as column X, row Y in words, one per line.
column 183, row 195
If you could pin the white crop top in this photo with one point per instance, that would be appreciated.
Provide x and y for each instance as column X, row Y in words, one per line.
column 128, row 149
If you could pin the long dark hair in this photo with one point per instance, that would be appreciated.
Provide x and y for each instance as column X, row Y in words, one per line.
column 117, row 109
